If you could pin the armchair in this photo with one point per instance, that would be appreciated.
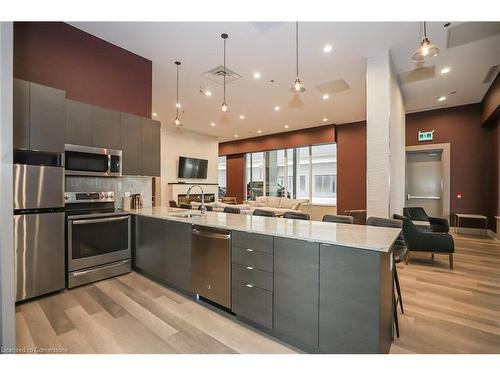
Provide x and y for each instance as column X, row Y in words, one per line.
column 438, row 224
column 419, row 240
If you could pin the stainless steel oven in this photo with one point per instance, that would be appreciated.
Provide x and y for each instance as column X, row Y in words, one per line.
column 98, row 238
column 92, row 161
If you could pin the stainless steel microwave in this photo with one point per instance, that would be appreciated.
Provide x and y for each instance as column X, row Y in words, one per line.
column 92, row 161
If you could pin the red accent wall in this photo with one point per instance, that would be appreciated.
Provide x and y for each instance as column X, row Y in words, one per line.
column 472, row 154
column 90, row 69
column 235, row 177
column 351, row 166
column 296, row 138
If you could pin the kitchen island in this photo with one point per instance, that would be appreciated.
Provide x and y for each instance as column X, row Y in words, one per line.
column 323, row 287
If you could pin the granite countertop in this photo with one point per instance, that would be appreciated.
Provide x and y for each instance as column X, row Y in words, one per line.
column 357, row 236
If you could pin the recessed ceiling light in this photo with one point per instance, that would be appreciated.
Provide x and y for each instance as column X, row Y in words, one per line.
column 212, row 124
column 325, row 119
column 208, row 93
column 236, row 136
column 277, row 108
column 441, row 98
column 326, row 96
column 445, row 70
column 154, row 114
column 178, row 105
column 256, row 75
column 242, row 117
column 286, row 126
column 259, row 131
column 327, row 49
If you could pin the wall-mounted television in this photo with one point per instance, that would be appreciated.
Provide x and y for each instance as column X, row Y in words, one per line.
column 192, row 168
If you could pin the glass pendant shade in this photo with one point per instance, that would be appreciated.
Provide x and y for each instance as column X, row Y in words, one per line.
column 297, row 85
column 224, row 107
column 177, row 122
column 425, row 51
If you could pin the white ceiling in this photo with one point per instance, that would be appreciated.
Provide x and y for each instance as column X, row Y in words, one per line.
column 269, row 48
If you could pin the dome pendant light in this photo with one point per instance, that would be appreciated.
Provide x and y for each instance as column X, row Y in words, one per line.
column 426, row 49
column 224, row 105
column 297, row 84
column 177, row 121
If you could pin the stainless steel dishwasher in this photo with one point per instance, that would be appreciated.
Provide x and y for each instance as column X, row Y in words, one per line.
column 211, row 264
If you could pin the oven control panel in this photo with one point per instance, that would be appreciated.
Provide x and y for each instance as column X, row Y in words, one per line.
column 90, row 197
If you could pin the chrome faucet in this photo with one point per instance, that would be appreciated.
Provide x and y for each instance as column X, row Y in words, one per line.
column 203, row 208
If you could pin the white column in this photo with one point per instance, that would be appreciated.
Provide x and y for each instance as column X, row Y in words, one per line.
column 385, row 120
column 7, row 299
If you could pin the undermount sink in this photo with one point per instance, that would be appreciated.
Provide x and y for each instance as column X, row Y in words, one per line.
column 187, row 215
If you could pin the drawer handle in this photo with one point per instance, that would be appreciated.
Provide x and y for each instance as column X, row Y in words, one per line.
column 249, row 250
column 249, row 285
column 249, row 268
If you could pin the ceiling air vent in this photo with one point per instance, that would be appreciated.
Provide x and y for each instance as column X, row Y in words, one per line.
column 468, row 32
column 333, row 86
column 491, row 74
column 217, row 75
column 419, row 74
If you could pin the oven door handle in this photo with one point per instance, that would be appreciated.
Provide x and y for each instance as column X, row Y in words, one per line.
column 100, row 268
column 104, row 220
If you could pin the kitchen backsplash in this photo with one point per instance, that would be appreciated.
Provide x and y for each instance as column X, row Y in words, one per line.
column 120, row 185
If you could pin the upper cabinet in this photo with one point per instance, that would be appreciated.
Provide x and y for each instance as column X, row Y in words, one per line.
column 21, row 115
column 150, row 147
column 78, row 123
column 39, row 117
column 47, row 118
column 106, row 128
column 131, row 136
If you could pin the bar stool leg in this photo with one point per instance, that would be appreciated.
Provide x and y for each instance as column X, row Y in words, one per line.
column 396, row 323
column 398, row 288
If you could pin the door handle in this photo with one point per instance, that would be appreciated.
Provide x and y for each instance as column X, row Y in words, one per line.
column 249, row 285
column 105, row 220
column 249, row 250
column 249, row 268
column 422, row 197
column 211, row 235
column 80, row 273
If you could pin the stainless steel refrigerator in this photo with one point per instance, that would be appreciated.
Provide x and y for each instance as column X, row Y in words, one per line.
column 38, row 223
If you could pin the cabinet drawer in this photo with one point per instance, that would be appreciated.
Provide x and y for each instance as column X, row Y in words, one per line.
column 253, row 258
column 253, row 241
column 252, row 276
column 253, row 303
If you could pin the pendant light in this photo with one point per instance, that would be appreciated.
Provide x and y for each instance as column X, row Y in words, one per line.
column 297, row 84
column 426, row 49
column 224, row 105
column 177, row 121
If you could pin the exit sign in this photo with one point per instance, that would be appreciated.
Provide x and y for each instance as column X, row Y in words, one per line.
column 425, row 136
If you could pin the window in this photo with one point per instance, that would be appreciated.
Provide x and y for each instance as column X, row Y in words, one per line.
column 255, row 175
column 222, row 176
column 324, row 171
column 305, row 173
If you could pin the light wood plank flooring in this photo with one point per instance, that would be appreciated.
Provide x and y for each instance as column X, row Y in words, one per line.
column 446, row 311
column 452, row 311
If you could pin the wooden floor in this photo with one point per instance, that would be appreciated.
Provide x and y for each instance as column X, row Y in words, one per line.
column 452, row 311
column 446, row 311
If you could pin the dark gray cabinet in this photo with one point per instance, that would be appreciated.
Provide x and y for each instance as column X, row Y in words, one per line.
column 131, row 137
column 47, row 118
column 78, row 123
column 163, row 250
column 106, row 128
column 21, row 115
column 150, row 147
column 296, row 290
column 355, row 300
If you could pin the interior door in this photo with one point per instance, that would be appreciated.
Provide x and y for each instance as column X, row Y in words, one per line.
column 424, row 181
